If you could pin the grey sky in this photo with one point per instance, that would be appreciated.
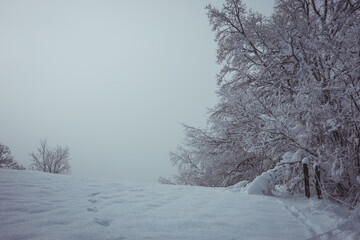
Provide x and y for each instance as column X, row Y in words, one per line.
column 112, row 80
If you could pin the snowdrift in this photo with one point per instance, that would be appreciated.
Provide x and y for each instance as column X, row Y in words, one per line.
column 35, row 205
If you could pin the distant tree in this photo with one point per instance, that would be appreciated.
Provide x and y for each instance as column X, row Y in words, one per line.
column 7, row 160
column 51, row 160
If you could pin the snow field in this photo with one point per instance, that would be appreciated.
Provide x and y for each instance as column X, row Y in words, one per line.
column 35, row 205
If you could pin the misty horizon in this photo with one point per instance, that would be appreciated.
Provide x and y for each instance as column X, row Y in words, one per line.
column 111, row 80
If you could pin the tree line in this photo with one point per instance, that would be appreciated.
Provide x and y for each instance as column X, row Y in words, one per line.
column 45, row 159
column 289, row 82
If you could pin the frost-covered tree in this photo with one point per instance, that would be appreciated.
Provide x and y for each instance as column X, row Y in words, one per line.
column 51, row 160
column 213, row 159
column 288, row 82
column 7, row 160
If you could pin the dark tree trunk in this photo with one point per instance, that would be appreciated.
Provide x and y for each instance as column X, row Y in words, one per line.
column 317, row 176
column 306, row 178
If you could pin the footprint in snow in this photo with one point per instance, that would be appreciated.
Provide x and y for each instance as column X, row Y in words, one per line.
column 92, row 209
column 93, row 194
column 93, row 200
column 103, row 221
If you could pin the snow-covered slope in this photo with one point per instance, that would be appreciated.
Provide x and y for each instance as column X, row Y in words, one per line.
column 35, row 205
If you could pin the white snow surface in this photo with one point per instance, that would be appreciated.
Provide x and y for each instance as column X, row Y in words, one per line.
column 41, row 206
column 286, row 158
column 263, row 184
column 290, row 157
column 306, row 161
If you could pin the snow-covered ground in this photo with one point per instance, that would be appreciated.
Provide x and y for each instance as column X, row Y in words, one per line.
column 35, row 205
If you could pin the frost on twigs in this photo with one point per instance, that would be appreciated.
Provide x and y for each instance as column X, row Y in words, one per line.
column 288, row 82
column 290, row 170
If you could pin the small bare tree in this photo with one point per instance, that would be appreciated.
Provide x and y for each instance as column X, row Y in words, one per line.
column 52, row 160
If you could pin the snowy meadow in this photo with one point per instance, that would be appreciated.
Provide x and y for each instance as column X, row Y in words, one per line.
column 42, row 206
column 286, row 121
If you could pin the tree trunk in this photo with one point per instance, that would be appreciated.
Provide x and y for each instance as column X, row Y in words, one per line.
column 306, row 178
column 317, row 176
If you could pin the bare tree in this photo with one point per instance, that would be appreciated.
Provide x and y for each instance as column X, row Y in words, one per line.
column 7, row 160
column 52, row 160
column 163, row 180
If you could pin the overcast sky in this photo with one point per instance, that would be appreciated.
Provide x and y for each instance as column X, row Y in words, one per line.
column 112, row 80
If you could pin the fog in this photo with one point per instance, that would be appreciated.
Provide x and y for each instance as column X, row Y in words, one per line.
column 112, row 80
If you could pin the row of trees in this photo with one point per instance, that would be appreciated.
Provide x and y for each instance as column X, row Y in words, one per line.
column 45, row 159
column 288, row 82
